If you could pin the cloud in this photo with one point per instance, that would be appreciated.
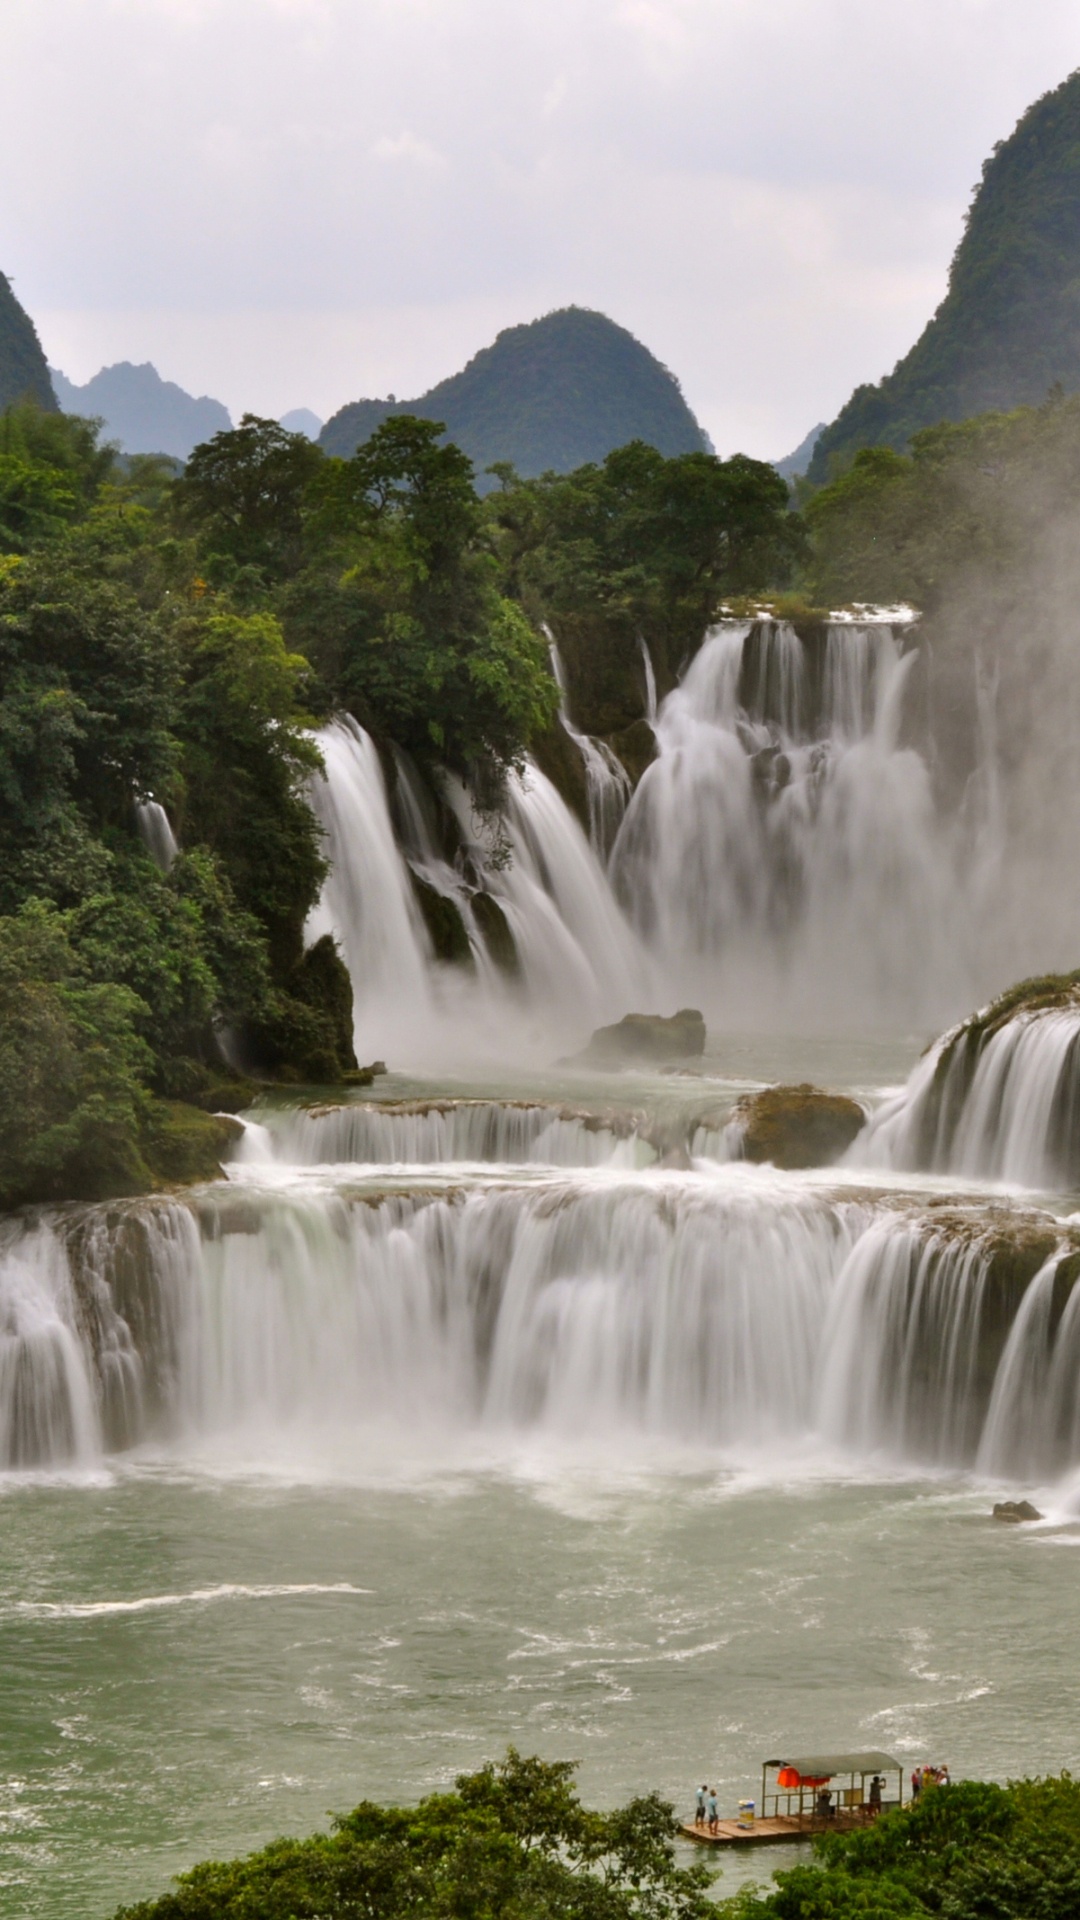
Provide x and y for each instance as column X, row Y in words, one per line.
column 767, row 191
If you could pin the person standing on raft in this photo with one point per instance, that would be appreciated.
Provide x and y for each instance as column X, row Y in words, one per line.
column 699, row 1817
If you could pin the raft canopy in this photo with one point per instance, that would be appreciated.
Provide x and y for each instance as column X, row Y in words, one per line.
column 824, row 1766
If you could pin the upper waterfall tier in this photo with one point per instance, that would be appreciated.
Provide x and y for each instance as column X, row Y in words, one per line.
column 782, row 859
column 997, row 1098
column 737, row 1313
column 783, row 856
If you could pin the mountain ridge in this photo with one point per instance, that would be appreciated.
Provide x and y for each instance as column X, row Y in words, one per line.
column 548, row 395
column 24, row 370
column 1008, row 328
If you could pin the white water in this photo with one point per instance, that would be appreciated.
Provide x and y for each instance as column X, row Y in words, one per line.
column 438, row 1132
column 1014, row 1122
column 156, row 833
column 783, row 857
column 737, row 1310
column 782, row 860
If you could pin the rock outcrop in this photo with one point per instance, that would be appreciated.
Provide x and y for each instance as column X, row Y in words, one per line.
column 793, row 1127
column 646, row 1039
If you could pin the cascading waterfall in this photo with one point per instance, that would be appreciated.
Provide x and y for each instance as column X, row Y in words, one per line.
column 736, row 1312
column 998, row 1106
column 579, row 962
column 441, row 1132
column 607, row 783
column 783, row 856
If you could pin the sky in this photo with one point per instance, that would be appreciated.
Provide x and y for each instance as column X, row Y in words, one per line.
column 290, row 203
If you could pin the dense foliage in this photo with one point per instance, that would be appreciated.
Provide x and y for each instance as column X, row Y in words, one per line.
column 1007, row 329
column 971, row 501
column 547, row 397
column 24, row 372
column 638, row 549
column 168, row 643
column 967, row 1850
column 512, row 1840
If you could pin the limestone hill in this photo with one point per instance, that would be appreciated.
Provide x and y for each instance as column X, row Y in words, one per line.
column 143, row 412
column 1009, row 326
column 547, row 397
column 24, row 373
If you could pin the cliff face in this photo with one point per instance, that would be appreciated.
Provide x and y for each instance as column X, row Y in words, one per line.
column 547, row 397
column 24, row 373
column 1009, row 326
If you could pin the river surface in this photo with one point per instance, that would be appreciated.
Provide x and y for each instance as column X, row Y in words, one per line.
column 208, row 1643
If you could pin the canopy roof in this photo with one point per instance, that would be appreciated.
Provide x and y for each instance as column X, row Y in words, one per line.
column 824, row 1765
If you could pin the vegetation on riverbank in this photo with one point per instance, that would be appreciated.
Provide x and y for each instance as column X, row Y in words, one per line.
column 511, row 1840
column 168, row 644
column 514, row 1840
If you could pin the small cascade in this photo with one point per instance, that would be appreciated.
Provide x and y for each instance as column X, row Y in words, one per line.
column 438, row 1132
column 782, row 856
column 993, row 1103
column 367, row 901
column 607, row 783
column 736, row 1312
column 156, row 833
column 579, row 962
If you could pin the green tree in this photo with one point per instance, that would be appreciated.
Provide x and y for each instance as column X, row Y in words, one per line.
column 400, row 612
column 513, row 1840
column 638, row 549
column 243, row 494
column 72, row 1069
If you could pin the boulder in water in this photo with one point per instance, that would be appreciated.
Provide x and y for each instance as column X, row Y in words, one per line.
column 1015, row 1512
column 793, row 1127
column 646, row 1039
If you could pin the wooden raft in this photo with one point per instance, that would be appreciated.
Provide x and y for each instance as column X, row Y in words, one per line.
column 776, row 1831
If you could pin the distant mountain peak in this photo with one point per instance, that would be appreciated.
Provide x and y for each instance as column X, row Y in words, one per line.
column 547, row 395
column 1008, row 328
column 141, row 411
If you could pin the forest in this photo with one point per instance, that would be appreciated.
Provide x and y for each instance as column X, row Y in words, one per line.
column 516, row 1839
column 170, row 643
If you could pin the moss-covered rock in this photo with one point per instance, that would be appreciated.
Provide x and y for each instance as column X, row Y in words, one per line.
column 183, row 1144
column 307, row 1033
column 559, row 758
column 646, row 1039
column 496, row 933
column 442, row 918
column 793, row 1127
column 634, row 747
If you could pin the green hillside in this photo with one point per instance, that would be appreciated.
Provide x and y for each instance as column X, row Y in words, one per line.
column 1009, row 326
column 547, row 397
column 24, row 373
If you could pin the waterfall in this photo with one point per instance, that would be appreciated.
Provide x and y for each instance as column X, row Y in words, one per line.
column 1003, row 1105
column 367, row 901
column 156, row 833
column 440, row 1132
column 738, row 1312
column 607, row 783
column 782, row 856
column 579, row 961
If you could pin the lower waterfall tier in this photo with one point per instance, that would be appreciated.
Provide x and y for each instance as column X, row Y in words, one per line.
column 739, row 1312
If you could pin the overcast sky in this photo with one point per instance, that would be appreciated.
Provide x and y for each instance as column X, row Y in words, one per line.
column 298, row 202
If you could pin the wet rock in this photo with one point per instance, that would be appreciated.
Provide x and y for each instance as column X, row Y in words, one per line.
column 635, row 748
column 442, row 918
column 1015, row 1512
column 496, row 933
column 793, row 1127
column 646, row 1039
